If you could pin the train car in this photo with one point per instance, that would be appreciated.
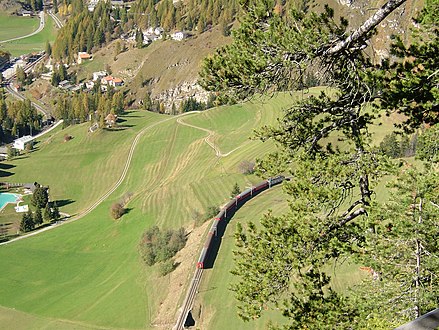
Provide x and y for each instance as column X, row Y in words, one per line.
column 230, row 207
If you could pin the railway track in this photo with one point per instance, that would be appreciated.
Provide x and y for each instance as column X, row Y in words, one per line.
column 189, row 300
column 55, row 18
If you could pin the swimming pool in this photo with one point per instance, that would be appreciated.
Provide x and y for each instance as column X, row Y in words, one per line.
column 6, row 198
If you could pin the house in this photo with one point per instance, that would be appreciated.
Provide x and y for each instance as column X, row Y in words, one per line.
column 21, row 143
column 158, row 31
column 116, row 82
column 83, row 56
column 179, row 36
column 106, row 80
column 110, row 120
column 111, row 81
column 65, row 84
column 89, row 84
column 26, row 13
column 99, row 75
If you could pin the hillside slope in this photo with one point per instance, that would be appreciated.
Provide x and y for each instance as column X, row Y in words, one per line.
column 88, row 273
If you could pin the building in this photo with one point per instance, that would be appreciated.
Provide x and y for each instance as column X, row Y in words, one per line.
column 99, row 75
column 27, row 13
column 116, row 82
column 110, row 120
column 83, row 56
column 179, row 36
column 20, row 143
column 111, row 81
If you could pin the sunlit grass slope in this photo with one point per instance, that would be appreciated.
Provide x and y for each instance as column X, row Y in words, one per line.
column 34, row 43
column 12, row 26
column 89, row 273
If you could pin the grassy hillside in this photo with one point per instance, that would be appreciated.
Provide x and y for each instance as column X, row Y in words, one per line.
column 87, row 274
column 34, row 43
column 12, row 26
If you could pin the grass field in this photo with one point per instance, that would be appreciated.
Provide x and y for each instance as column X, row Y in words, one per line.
column 87, row 274
column 12, row 26
column 34, row 43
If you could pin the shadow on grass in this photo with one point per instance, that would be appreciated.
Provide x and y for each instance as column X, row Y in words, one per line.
column 62, row 202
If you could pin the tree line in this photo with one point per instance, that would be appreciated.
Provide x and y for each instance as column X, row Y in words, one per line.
column 45, row 211
column 86, row 31
column 17, row 118
column 82, row 106
column 185, row 15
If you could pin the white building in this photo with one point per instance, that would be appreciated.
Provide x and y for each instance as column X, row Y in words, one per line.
column 179, row 36
column 20, row 143
column 98, row 75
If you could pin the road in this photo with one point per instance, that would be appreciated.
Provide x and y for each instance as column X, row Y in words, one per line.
column 21, row 97
column 40, row 28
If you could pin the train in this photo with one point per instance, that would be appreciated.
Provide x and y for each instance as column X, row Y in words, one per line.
column 229, row 209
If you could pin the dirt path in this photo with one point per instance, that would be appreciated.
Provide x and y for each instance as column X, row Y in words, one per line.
column 109, row 192
column 40, row 28
column 208, row 139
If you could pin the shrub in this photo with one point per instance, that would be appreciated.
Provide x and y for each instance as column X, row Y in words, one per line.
column 247, row 167
column 117, row 210
column 161, row 245
column 67, row 137
column 211, row 211
column 167, row 267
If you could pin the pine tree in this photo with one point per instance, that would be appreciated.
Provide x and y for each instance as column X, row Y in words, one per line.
column 27, row 223
column 38, row 218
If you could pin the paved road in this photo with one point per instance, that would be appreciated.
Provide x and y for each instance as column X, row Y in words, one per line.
column 41, row 27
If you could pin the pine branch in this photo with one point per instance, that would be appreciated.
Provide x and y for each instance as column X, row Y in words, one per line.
column 367, row 26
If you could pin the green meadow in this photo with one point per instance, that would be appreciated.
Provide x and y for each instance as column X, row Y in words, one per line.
column 33, row 43
column 88, row 273
column 12, row 26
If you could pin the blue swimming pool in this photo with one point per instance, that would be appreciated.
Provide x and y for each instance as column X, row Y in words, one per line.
column 8, row 198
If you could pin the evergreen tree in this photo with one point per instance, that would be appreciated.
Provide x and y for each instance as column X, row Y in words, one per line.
column 282, row 263
column 48, row 49
column 236, row 190
column 402, row 250
column 55, row 215
column 38, row 218
column 47, row 215
column 139, row 38
column 40, row 197
column 27, row 223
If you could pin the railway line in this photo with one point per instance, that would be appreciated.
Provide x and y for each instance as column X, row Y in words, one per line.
column 208, row 252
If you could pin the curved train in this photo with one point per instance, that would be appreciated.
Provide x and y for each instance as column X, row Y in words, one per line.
column 229, row 209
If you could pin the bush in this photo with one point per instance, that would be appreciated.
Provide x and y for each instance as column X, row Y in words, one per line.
column 212, row 211
column 117, row 210
column 247, row 167
column 157, row 245
column 167, row 267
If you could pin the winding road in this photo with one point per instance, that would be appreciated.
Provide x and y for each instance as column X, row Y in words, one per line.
column 40, row 28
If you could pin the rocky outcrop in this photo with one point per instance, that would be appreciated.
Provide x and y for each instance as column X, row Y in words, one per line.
column 180, row 93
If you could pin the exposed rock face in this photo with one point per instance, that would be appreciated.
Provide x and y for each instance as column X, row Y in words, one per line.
column 180, row 93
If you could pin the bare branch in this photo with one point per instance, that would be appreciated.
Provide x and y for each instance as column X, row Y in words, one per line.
column 367, row 26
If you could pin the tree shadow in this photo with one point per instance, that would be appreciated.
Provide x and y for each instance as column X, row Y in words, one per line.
column 62, row 202
column 4, row 166
column 127, row 210
column 5, row 174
